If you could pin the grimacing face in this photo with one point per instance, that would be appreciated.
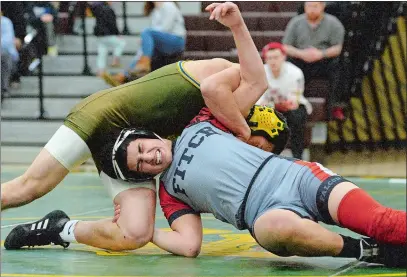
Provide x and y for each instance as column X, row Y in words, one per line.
column 314, row 10
column 275, row 59
column 153, row 156
column 150, row 156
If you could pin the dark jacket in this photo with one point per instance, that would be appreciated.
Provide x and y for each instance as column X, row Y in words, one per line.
column 33, row 19
column 15, row 12
column 106, row 24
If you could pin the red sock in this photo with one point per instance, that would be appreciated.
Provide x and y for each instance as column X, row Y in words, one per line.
column 359, row 212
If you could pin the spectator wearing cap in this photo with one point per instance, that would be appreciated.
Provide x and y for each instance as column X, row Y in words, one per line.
column 285, row 93
column 313, row 42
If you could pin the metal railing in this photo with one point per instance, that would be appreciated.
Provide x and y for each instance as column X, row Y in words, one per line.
column 36, row 63
column 125, row 30
column 86, row 68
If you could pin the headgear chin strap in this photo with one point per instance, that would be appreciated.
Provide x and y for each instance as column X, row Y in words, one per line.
column 119, row 154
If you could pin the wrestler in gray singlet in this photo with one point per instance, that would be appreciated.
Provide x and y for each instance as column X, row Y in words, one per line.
column 214, row 172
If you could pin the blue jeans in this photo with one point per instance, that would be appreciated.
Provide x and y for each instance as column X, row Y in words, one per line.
column 104, row 42
column 165, row 43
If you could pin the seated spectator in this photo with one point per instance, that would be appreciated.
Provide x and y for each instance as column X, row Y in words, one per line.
column 15, row 12
column 314, row 42
column 42, row 16
column 9, row 54
column 107, row 32
column 339, row 9
column 285, row 93
column 165, row 36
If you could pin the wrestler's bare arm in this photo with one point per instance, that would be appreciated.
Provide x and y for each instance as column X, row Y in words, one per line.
column 185, row 239
column 249, row 83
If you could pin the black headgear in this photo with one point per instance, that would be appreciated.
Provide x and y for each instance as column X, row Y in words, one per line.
column 119, row 154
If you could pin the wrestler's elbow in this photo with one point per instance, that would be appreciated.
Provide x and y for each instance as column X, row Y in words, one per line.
column 260, row 85
column 209, row 89
column 254, row 89
column 192, row 250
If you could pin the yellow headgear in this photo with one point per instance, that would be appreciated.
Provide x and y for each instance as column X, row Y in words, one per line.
column 265, row 119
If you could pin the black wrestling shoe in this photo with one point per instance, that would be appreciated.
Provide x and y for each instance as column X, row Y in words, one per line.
column 389, row 255
column 42, row 232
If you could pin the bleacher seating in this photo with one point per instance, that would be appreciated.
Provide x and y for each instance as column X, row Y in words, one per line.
column 205, row 39
column 266, row 22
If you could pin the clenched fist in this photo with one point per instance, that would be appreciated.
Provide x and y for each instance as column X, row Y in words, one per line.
column 227, row 14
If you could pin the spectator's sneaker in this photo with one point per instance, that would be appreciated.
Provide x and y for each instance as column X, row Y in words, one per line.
column 143, row 66
column 52, row 51
column 338, row 114
column 15, row 85
column 114, row 80
column 42, row 232
column 116, row 63
column 388, row 254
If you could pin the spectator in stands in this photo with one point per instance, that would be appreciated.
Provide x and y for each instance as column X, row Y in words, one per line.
column 67, row 9
column 108, row 35
column 15, row 12
column 285, row 93
column 165, row 36
column 9, row 54
column 339, row 9
column 313, row 41
column 42, row 15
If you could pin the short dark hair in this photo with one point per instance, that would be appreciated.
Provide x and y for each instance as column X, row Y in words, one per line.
column 280, row 142
column 114, row 152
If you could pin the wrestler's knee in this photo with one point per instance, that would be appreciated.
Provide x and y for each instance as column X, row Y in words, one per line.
column 275, row 231
column 137, row 215
column 282, row 230
column 132, row 238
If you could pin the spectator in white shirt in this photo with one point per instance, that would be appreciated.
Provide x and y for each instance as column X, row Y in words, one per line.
column 166, row 36
column 285, row 93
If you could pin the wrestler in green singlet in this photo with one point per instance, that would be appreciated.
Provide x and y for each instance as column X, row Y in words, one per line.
column 163, row 101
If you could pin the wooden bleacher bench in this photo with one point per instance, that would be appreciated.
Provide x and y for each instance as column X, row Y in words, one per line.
column 255, row 21
column 200, row 55
column 264, row 6
column 223, row 40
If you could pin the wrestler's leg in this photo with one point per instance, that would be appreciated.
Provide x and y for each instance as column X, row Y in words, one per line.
column 133, row 229
column 135, row 226
column 64, row 151
column 353, row 208
column 285, row 233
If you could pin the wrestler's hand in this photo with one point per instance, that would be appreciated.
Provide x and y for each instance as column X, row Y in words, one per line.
column 227, row 14
column 244, row 134
column 116, row 213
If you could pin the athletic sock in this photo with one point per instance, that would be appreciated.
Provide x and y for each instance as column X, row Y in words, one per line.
column 67, row 233
column 359, row 212
column 351, row 248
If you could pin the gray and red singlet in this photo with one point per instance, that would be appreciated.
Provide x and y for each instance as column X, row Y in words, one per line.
column 214, row 172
